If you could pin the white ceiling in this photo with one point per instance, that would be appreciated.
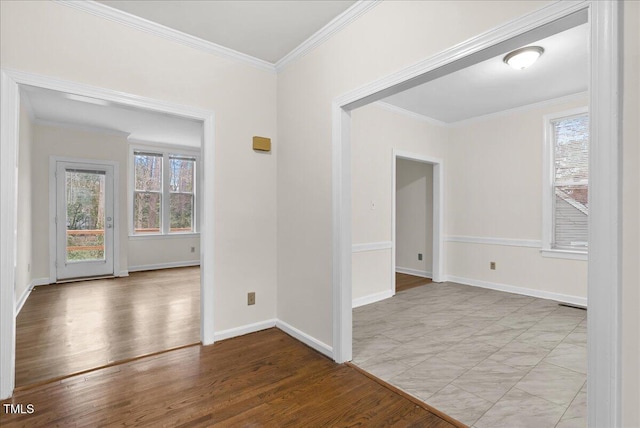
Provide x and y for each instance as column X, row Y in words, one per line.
column 141, row 125
column 267, row 30
column 492, row 86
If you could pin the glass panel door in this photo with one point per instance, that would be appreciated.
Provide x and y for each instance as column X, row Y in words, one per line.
column 84, row 219
column 85, row 200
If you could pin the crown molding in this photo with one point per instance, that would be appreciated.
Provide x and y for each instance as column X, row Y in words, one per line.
column 338, row 23
column 142, row 24
column 409, row 113
column 133, row 21
column 521, row 109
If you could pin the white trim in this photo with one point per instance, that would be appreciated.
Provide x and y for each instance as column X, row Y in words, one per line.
column 245, row 329
column 564, row 298
column 604, row 278
column 9, row 138
column 40, row 281
column 157, row 266
column 53, row 250
column 371, row 246
column 124, row 18
column 315, row 40
column 123, row 273
column 338, row 23
column 521, row 109
column 414, row 272
column 528, row 243
column 527, row 107
column 438, row 254
column 305, row 338
column 23, row 299
column 548, row 180
column 154, row 236
column 371, row 298
column 166, row 150
column 565, row 254
column 9, row 112
column 404, row 112
column 604, row 379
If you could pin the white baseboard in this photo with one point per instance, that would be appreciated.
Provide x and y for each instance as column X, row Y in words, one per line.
column 123, row 273
column 22, row 300
column 245, row 329
column 371, row 298
column 163, row 266
column 305, row 338
column 414, row 272
column 40, row 281
column 564, row 298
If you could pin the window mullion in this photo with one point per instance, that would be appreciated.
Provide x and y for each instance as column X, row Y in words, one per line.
column 166, row 207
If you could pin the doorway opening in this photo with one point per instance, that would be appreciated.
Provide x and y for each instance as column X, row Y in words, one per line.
column 604, row 403
column 417, row 220
column 89, row 196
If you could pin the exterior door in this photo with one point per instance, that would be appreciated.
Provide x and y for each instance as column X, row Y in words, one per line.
column 84, row 220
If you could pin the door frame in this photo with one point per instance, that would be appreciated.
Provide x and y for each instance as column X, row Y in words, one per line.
column 605, row 231
column 437, row 268
column 53, row 236
column 10, row 81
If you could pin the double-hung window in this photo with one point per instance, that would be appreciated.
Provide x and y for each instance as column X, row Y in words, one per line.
column 566, row 184
column 164, row 192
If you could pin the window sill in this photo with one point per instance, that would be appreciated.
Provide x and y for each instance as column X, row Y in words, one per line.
column 161, row 236
column 565, row 254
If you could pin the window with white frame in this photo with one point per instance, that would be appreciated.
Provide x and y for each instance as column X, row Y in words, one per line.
column 566, row 207
column 164, row 192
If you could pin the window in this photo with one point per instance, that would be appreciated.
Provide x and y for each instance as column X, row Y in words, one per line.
column 164, row 192
column 566, row 205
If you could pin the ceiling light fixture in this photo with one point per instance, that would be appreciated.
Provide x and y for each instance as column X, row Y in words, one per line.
column 89, row 100
column 523, row 57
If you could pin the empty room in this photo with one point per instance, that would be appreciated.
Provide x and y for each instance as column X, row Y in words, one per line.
column 319, row 213
column 110, row 264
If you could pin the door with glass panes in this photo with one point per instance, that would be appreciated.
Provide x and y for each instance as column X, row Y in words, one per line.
column 84, row 219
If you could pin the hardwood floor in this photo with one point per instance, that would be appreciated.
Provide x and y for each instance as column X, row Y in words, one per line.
column 262, row 379
column 69, row 328
column 406, row 282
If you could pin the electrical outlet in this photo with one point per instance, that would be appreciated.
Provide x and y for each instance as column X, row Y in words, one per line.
column 251, row 298
column 492, row 265
column 419, row 256
column 193, row 249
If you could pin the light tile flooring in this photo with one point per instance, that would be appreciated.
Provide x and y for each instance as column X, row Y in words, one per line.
column 487, row 358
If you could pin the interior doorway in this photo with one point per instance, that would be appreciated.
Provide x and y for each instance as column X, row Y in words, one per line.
column 416, row 217
column 604, row 234
column 13, row 83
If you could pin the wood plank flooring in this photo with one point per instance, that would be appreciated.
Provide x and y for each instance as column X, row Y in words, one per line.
column 265, row 379
column 68, row 328
column 406, row 282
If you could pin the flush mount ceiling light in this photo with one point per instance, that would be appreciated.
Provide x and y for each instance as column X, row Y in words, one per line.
column 523, row 57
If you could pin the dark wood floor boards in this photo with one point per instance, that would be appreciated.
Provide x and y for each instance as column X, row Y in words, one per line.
column 262, row 379
column 406, row 282
column 69, row 328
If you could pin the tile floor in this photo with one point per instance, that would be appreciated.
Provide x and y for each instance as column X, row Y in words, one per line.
column 487, row 358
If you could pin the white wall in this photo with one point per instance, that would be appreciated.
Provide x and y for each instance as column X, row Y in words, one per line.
column 391, row 36
column 414, row 216
column 158, row 252
column 53, row 39
column 375, row 133
column 52, row 140
column 24, row 247
column 631, row 218
column 493, row 189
